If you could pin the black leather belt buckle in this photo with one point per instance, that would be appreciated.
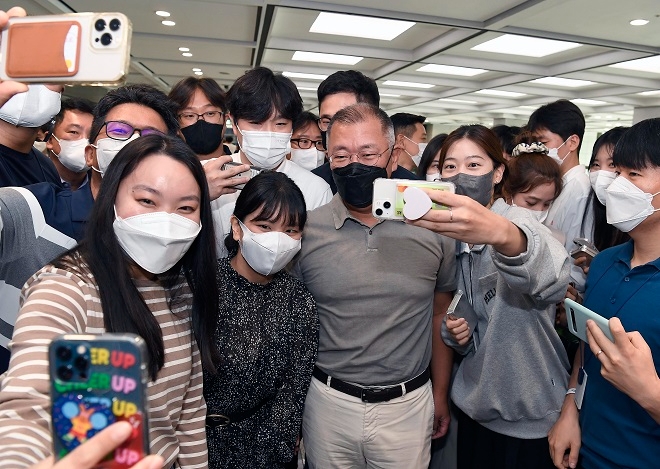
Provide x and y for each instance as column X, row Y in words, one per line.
column 373, row 396
column 217, row 420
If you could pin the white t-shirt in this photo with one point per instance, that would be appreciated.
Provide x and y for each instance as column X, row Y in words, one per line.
column 568, row 211
column 316, row 191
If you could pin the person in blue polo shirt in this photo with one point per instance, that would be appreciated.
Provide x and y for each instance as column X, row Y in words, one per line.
column 619, row 421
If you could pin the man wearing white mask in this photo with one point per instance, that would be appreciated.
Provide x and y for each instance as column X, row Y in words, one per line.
column 41, row 221
column 262, row 106
column 411, row 137
column 618, row 423
column 20, row 119
column 68, row 139
column 560, row 127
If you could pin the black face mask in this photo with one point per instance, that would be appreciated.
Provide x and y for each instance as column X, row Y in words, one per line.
column 355, row 183
column 203, row 138
column 479, row 188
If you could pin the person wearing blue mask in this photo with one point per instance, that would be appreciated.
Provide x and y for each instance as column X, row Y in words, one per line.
column 512, row 379
column 617, row 422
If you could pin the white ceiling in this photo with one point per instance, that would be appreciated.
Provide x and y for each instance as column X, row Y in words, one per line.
column 228, row 37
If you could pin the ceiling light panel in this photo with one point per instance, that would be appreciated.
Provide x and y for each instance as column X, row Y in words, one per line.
column 451, row 70
column 647, row 64
column 308, row 76
column 325, row 58
column 461, row 101
column 588, row 102
column 649, row 93
column 563, row 82
column 524, row 45
column 501, row 93
column 407, row 84
column 359, row 26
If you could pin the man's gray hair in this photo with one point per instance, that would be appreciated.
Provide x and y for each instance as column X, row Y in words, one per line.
column 360, row 112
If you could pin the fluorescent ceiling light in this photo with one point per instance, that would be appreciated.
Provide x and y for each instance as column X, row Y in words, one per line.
column 588, row 102
column 228, row 124
column 197, row 69
column 649, row 93
column 199, row 73
column 451, row 70
column 597, row 117
column 407, row 84
column 639, row 22
column 647, row 64
column 168, row 22
column 184, row 49
column 163, row 13
column 563, row 82
column 524, row 45
column 507, row 94
column 388, row 95
column 462, row 101
column 359, row 26
column 187, row 54
column 309, row 76
column 325, row 58
column 306, row 88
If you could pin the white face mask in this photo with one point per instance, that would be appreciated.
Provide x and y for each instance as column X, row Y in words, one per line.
column 600, row 180
column 309, row 158
column 33, row 108
column 540, row 215
column 554, row 153
column 265, row 149
column 420, row 150
column 155, row 241
column 627, row 205
column 432, row 177
column 72, row 154
column 106, row 150
column 267, row 253
column 40, row 146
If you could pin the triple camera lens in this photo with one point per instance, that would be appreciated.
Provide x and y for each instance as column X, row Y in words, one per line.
column 100, row 24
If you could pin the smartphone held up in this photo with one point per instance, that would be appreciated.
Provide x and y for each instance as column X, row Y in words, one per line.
column 76, row 48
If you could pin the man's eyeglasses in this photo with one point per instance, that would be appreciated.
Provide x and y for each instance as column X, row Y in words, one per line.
column 305, row 143
column 118, row 130
column 368, row 158
column 212, row 117
column 323, row 123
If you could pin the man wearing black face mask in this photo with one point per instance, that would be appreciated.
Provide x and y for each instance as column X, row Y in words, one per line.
column 381, row 289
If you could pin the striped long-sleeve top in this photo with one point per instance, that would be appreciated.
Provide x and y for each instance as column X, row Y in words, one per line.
column 56, row 301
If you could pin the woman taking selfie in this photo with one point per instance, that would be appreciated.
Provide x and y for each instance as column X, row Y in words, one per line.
column 267, row 332
column 146, row 266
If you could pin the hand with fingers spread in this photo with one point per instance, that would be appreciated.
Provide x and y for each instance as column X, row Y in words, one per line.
column 90, row 453
column 222, row 180
column 627, row 363
column 472, row 223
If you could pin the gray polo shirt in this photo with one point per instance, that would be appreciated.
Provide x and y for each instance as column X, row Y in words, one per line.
column 374, row 290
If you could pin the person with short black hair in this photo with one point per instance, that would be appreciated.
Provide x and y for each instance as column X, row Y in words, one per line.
column 267, row 332
column 410, row 130
column 618, row 423
column 507, row 135
column 341, row 89
column 201, row 111
column 560, row 127
column 262, row 107
column 67, row 139
column 307, row 148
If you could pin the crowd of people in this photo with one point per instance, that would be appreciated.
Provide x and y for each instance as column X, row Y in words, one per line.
column 278, row 313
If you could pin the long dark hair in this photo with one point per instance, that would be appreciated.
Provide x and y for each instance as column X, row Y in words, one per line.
column 604, row 235
column 278, row 198
column 432, row 149
column 124, row 309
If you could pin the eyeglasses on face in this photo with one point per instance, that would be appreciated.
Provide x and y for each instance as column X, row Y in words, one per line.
column 367, row 158
column 212, row 117
column 118, row 130
column 305, row 143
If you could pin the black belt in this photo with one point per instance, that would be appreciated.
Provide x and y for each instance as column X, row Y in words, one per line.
column 372, row 395
column 222, row 420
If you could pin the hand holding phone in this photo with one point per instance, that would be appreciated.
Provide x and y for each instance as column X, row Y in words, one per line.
column 584, row 248
column 250, row 173
column 577, row 316
column 97, row 380
column 82, row 48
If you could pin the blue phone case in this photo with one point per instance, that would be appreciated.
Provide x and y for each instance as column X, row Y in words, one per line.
column 97, row 380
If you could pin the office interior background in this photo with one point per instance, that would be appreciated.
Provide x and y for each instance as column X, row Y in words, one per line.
column 453, row 61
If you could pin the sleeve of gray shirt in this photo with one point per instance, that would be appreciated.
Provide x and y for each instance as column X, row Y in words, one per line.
column 446, row 280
